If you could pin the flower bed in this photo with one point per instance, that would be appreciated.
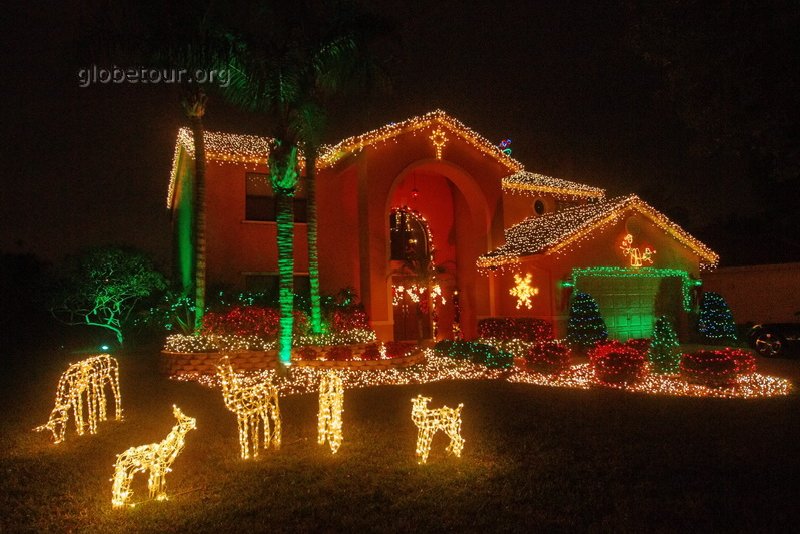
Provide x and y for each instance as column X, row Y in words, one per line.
column 355, row 356
column 614, row 362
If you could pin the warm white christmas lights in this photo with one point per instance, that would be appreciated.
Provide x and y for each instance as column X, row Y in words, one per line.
column 155, row 458
column 523, row 290
column 83, row 384
column 439, row 140
column 431, row 420
column 331, row 406
column 531, row 183
column 254, row 406
column 558, row 232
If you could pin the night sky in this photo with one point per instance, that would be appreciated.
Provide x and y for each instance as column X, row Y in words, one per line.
column 564, row 80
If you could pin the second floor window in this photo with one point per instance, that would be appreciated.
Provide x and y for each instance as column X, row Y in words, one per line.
column 260, row 204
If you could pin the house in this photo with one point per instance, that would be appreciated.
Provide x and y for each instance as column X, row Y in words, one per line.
column 436, row 227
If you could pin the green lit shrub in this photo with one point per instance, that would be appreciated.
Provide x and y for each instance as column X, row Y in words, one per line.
column 479, row 353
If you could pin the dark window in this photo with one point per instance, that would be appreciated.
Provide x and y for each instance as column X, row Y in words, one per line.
column 538, row 207
column 260, row 205
column 408, row 238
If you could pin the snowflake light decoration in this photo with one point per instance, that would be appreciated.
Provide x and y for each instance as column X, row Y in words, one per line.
column 523, row 290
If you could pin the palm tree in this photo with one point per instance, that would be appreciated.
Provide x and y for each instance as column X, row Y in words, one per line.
column 293, row 59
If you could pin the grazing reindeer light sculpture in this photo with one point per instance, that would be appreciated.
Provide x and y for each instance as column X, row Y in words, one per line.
column 251, row 404
column 156, row 457
column 430, row 420
column 331, row 401
column 86, row 379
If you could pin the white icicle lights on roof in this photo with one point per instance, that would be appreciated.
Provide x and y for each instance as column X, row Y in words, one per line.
column 559, row 232
column 532, row 183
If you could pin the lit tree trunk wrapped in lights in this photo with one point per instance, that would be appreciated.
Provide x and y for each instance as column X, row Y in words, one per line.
column 311, row 223
column 283, row 175
column 194, row 104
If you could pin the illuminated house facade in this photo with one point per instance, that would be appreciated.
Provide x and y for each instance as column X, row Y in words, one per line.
column 436, row 227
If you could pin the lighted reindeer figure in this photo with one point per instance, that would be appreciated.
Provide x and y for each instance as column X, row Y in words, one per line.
column 430, row 420
column 331, row 401
column 155, row 457
column 84, row 383
column 251, row 404
column 637, row 257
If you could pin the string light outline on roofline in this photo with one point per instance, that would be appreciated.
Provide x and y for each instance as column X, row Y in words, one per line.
column 224, row 148
column 330, row 154
column 547, row 235
column 531, row 183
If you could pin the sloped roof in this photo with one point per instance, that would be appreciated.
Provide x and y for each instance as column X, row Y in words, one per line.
column 221, row 147
column 331, row 154
column 559, row 231
column 534, row 183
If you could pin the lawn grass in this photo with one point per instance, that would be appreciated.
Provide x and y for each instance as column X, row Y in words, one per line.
column 536, row 458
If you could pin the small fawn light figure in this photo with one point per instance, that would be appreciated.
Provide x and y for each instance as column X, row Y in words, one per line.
column 155, row 457
column 331, row 405
column 252, row 405
column 84, row 384
column 430, row 420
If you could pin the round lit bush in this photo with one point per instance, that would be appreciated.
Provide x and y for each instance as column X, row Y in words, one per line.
column 712, row 368
column 339, row 353
column 548, row 358
column 745, row 361
column 371, row 352
column 615, row 363
column 307, row 353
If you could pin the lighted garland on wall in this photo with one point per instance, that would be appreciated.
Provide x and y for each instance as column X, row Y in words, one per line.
column 429, row 121
column 559, row 232
column 687, row 282
column 534, row 184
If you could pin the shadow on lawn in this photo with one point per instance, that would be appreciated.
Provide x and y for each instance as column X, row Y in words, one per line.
column 535, row 458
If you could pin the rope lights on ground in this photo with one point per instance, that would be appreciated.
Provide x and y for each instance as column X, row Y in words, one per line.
column 437, row 368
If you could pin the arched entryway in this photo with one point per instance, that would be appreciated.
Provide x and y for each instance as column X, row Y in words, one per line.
column 437, row 224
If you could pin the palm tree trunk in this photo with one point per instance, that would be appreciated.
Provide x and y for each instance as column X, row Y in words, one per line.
column 200, row 220
column 285, row 223
column 311, row 223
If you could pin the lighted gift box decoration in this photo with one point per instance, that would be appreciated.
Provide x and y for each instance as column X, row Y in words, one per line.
column 83, row 385
column 431, row 420
column 331, row 406
column 155, row 458
column 254, row 406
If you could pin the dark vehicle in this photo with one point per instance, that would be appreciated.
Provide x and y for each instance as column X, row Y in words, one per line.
column 775, row 339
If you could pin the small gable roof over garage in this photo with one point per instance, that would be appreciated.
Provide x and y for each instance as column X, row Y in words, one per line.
column 558, row 231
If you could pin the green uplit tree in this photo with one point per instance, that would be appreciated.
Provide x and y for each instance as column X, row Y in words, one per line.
column 289, row 60
column 663, row 352
column 716, row 319
column 586, row 326
column 103, row 286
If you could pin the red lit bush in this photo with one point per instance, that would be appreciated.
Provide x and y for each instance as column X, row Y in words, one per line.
column 614, row 363
column 307, row 353
column 339, row 353
column 348, row 319
column 250, row 321
column 548, row 358
column 522, row 328
column 396, row 349
column 371, row 352
column 641, row 344
column 716, row 368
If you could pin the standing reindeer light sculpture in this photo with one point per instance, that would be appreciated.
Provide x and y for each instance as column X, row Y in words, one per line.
column 84, row 384
column 430, row 420
column 252, row 405
column 155, row 457
column 329, row 420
